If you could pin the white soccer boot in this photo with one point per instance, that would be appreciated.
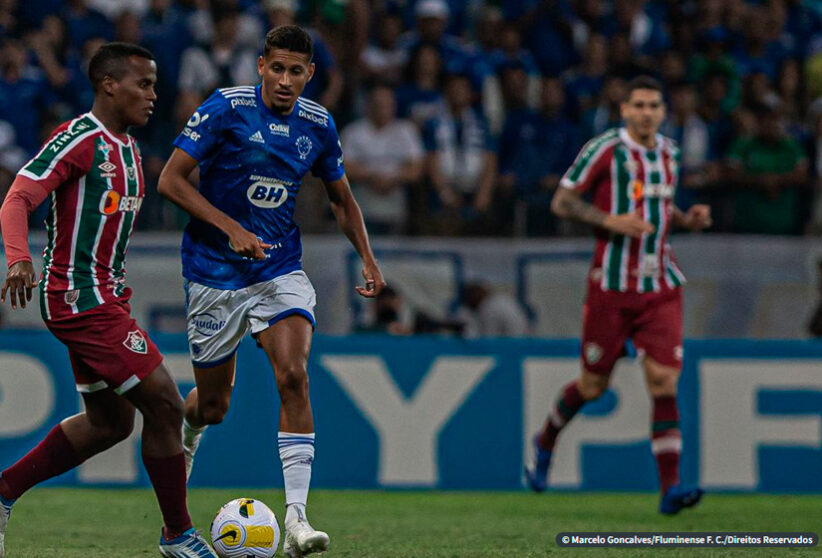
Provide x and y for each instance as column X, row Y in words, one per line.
column 302, row 539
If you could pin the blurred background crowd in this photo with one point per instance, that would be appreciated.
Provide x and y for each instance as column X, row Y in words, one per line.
column 458, row 117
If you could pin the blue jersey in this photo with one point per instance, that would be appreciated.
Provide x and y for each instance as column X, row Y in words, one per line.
column 252, row 162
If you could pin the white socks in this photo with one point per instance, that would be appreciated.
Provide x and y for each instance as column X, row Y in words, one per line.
column 296, row 454
column 191, row 436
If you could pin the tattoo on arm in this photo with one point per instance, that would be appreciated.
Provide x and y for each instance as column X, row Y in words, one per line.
column 574, row 207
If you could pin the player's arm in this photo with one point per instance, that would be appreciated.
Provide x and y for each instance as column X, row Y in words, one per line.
column 697, row 218
column 568, row 204
column 174, row 185
column 349, row 217
column 23, row 197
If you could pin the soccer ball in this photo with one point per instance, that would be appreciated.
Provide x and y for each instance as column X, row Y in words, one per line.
column 245, row 528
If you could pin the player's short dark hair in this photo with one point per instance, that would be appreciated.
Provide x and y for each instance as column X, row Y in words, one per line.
column 642, row 82
column 110, row 60
column 289, row 37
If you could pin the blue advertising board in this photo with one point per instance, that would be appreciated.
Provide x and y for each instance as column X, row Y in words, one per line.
column 453, row 414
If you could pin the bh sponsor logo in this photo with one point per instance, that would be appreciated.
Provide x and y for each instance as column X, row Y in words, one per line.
column 207, row 324
column 321, row 120
column 267, row 193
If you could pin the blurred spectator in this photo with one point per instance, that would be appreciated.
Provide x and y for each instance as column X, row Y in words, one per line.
column 758, row 52
column 536, row 148
column 622, row 61
column 420, row 96
column 430, row 29
column 691, row 133
column 383, row 60
column 8, row 18
column 393, row 315
column 460, row 160
column 606, row 114
column 113, row 9
column 584, row 82
column 383, row 156
column 222, row 63
column 815, row 324
column 83, row 22
column 326, row 84
column 714, row 112
column 24, row 95
column 768, row 170
column 549, row 35
column 487, row 313
column 647, row 34
column 713, row 60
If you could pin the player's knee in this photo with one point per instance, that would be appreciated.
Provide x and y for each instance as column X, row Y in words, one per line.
column 166, row 409
column 292, row 382
column 213, row 411
column 592, row 386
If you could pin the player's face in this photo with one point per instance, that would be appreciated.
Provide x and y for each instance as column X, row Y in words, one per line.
column 134, row 95
column 284, row 74
column 644, row 112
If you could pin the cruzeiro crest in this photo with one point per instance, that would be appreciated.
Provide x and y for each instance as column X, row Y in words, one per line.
column 135, row 342
column 303, row 146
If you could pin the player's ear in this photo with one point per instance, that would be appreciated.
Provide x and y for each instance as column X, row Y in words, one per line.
column 107, row 85
column 310, row 72
column 260, row 65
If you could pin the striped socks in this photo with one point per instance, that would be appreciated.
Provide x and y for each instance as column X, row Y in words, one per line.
column 296, row 454
column 570, row 401
column 666, row 440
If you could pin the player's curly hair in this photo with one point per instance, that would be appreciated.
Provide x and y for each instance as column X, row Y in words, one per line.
column 110, row 60
column 289, row 37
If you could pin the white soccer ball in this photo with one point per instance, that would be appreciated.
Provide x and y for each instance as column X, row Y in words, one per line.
column 245, row 528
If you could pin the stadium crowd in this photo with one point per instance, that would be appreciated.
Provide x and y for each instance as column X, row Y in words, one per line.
column 458, row 117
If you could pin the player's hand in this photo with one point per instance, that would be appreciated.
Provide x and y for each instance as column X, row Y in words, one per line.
column 247, row 244
column 374, row 281
column 20, row 280
column 629, row 224
column 697, row 217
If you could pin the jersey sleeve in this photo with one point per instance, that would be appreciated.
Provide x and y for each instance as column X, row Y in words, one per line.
column 203, row 133
column 588, row 166
column 66, row 155
column 329, row 165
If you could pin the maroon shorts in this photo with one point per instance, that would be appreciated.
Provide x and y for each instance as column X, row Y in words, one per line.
column 106, row 347
column 652, row 320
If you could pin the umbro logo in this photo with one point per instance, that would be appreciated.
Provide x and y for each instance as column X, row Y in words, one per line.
column 256, row 137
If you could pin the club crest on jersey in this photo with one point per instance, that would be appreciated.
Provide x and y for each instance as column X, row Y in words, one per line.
column 593, row 353
column 303, row 146
column 131, row 172
column 71, row 296
column 135, row 342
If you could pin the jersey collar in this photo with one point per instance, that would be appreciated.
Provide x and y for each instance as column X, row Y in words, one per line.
column 108, row 132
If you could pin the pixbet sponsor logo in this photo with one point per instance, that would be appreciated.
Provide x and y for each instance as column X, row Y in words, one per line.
column 243, row 102
column 207, row 324
column 321, row 120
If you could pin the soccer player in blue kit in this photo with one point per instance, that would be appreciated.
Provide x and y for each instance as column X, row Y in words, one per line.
column 241, row 250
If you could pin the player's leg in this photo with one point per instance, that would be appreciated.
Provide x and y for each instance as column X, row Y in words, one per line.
column 287, row 343
column 107, row 420
column 216, row 323
column 659, row 336
column 603, row 342
column 206, row 404
column 157, row 399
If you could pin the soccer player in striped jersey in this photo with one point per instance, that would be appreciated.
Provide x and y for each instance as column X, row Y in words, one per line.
column 90, row 169
column 634, row 284
column 242, row 252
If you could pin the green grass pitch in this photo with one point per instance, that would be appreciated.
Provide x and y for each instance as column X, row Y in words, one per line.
column 92, row 523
